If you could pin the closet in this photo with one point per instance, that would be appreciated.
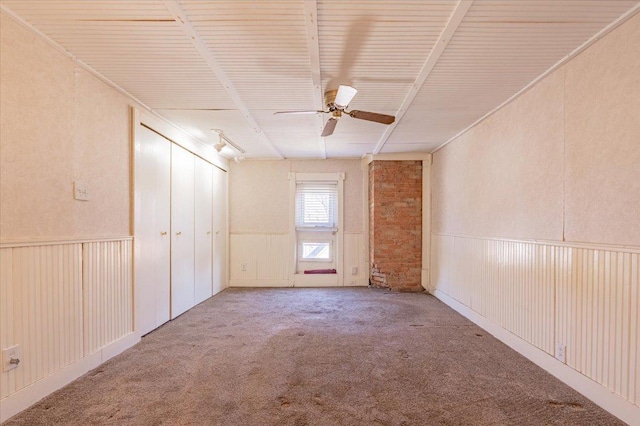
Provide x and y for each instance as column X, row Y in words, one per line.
column 152, row 242
column 203, row 230
column 180, row 230
column 219, row 230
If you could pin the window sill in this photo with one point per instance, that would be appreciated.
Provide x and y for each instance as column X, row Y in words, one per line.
column 315, row 229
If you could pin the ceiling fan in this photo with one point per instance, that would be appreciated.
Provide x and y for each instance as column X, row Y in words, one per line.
column 337, row 102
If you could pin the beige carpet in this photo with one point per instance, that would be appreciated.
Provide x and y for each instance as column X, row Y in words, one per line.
column 350, row 356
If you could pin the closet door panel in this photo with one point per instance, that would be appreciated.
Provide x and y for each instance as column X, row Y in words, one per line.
column 219, row 230
column 182, row 230
column 203, row 230
column 152, row 226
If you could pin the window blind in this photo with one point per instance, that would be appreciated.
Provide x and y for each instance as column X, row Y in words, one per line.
column 316, row 205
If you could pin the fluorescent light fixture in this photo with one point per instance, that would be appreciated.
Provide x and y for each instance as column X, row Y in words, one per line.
column 227, row 148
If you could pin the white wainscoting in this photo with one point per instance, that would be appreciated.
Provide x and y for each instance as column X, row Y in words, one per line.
column 68, row 304
column 264, row 260
column 355, row 255
column 597, row 316
column 582, row 296
column 107, row 294
column 41, row 310
column 259, row 260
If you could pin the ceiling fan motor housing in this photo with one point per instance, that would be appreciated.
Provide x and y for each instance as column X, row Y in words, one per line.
column 329, row 99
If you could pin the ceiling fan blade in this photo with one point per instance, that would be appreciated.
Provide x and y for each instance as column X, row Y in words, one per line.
column 298, row 112
column 344, row 96
column 329, row 127
column 372, row 116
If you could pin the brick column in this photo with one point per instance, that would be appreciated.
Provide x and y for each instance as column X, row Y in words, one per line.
column 395, row 224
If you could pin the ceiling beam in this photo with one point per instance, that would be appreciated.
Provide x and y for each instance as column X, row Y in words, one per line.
column 181, row 18
column 441, row 44
column 313, row 47
column 594, row 38
column 137, row 102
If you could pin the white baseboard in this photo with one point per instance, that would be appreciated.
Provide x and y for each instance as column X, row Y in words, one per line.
column 315, row 280
column 616, row 405
column 425, row 277
column 25, row 397
column 357, row 282
column 328, row 280
column 259, row 283
column 304, row 282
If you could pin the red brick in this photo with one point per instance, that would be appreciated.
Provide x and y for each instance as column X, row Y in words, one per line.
column 395, row 224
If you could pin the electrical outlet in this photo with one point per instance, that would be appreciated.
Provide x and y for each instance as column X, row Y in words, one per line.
column 80, row 191
column 10, row 358
column 561, row 352
column 243, row 267
column 354, row 270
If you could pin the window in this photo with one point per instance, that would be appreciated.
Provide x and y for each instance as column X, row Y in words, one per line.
column 316, row 251
column 316, row 205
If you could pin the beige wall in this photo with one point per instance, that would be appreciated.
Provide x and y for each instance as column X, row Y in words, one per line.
column 516, row 198
column 59, row 124
column 602, row 140
column 561, row 162
column 259, row 193
column 494, row 179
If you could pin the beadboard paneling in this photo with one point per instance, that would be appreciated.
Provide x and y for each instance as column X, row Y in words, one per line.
column 355, row 255
column 597, row 316
column 7, row 381
column 107, row 295
column 257, row 259
column 273, row 263
column 61, row 302
column 265, row 259
column 584, row 297
column 41, row 291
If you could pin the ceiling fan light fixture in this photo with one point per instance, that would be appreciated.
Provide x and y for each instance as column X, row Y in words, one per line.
column 344, row 96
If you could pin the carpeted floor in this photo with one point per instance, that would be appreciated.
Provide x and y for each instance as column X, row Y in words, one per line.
column 344, row 356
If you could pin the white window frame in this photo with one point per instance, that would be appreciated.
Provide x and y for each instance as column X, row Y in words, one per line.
column 339, row 241
column 314, row 241
column 323, row 227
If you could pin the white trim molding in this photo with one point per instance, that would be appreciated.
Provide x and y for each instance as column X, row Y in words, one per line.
column 294, row 279
column 178, row 136
column 35, row 242
column 397, row 156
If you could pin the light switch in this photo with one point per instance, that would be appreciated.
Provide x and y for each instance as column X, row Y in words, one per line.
column 80, row 191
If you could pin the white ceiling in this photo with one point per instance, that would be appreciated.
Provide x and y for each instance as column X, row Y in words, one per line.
column 437, row 65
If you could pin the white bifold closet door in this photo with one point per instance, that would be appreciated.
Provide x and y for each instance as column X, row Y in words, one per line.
column 182, row 230
column 219, row 230
column 203, row 230
column 152, row 226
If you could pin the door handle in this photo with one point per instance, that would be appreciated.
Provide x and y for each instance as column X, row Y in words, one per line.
column 178, row 233
column 208, row 232
column 163, row 233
